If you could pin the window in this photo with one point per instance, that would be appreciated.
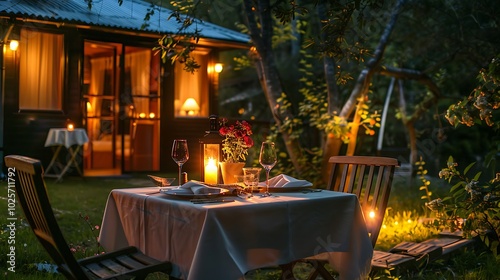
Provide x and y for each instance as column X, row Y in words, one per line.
column 191, row 89
column 41, row 70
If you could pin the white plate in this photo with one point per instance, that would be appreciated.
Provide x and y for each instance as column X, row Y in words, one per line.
column 187, row 193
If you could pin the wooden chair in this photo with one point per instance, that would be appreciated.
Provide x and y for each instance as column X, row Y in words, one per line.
column 370, row 178
column 32, row 195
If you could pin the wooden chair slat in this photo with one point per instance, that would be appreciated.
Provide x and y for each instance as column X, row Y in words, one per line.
column 118, row 267
column 99, row 271
column 144, row 259
column 130, row 262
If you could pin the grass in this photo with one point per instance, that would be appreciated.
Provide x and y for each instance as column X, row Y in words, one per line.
column 76, row 198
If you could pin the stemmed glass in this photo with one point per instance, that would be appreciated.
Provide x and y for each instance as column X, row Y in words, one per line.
column 180, row 154
column 267, row 159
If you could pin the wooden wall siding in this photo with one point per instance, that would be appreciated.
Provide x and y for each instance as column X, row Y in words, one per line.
column 25, row 132
column 73, row 96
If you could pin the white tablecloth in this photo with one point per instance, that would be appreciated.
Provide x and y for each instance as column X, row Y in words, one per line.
column 67, row 138
column 225, row 240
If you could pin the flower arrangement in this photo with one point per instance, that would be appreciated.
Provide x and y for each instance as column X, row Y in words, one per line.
column 236, row 141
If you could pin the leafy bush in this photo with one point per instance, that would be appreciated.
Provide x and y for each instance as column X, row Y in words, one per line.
column 472, row 206
column 474, row 203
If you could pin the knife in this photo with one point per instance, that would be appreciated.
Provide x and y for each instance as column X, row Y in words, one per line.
column 212, row 200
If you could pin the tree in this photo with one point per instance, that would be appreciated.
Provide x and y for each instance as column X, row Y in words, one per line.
column 433, row 43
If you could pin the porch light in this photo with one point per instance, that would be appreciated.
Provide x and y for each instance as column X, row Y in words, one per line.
column 14, row 44
column 211, row 153
column 191, row 107
column 218, row 67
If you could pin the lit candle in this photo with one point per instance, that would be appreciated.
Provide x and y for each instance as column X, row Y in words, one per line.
column 211, row 172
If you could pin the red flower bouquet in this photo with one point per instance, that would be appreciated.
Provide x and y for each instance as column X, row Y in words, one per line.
column 236, row 141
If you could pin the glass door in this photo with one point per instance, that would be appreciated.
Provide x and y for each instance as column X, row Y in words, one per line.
column 100, row 84
column 140, row 100
column 122, row 113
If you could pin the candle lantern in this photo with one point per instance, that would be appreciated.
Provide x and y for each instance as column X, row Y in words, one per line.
column 70, row 125
column 211, row 153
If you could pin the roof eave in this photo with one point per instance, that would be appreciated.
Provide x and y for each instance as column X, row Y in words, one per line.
column 225, row 44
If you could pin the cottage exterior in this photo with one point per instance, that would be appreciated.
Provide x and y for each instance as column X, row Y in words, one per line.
column 96, row 68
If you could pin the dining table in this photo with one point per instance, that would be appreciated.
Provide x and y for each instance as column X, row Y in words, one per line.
column 230, row 236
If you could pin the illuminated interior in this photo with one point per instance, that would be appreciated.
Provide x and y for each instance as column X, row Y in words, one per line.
column 121, row 108
column 191, row 90
column 41, row 70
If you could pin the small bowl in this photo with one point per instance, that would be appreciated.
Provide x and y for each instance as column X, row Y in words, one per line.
column 161, row 181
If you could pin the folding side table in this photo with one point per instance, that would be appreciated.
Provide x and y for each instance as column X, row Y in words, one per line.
column 72, row 140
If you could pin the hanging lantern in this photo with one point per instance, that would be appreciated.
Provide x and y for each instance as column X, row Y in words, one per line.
column 211, row 153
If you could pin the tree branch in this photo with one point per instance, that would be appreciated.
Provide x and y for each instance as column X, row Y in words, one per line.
column 364, row 78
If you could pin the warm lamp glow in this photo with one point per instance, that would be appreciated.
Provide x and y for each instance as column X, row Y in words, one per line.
column 70, row 127
column 191, row 107
column 211, row 171
column 151, row 115
column 218, row 67
column 89, row 107
column 371, row 214
column 14, row 44
column 142, row 115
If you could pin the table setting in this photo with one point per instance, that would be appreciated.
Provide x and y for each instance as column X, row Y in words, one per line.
column 245, row 187
column 236, row 222
column 240, row 234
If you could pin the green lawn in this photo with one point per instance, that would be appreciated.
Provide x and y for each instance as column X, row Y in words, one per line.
column 75, row 198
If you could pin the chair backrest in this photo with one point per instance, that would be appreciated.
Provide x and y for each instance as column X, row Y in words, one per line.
column 370, row 179
column 32, row 195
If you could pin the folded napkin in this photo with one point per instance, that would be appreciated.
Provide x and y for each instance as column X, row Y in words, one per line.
column 285, row 181
column 196, row 187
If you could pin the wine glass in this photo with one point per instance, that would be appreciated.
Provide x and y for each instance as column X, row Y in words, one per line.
column 267, row 159
column 180, row 154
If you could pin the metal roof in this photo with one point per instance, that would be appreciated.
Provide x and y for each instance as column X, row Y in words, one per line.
column 108, row 13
